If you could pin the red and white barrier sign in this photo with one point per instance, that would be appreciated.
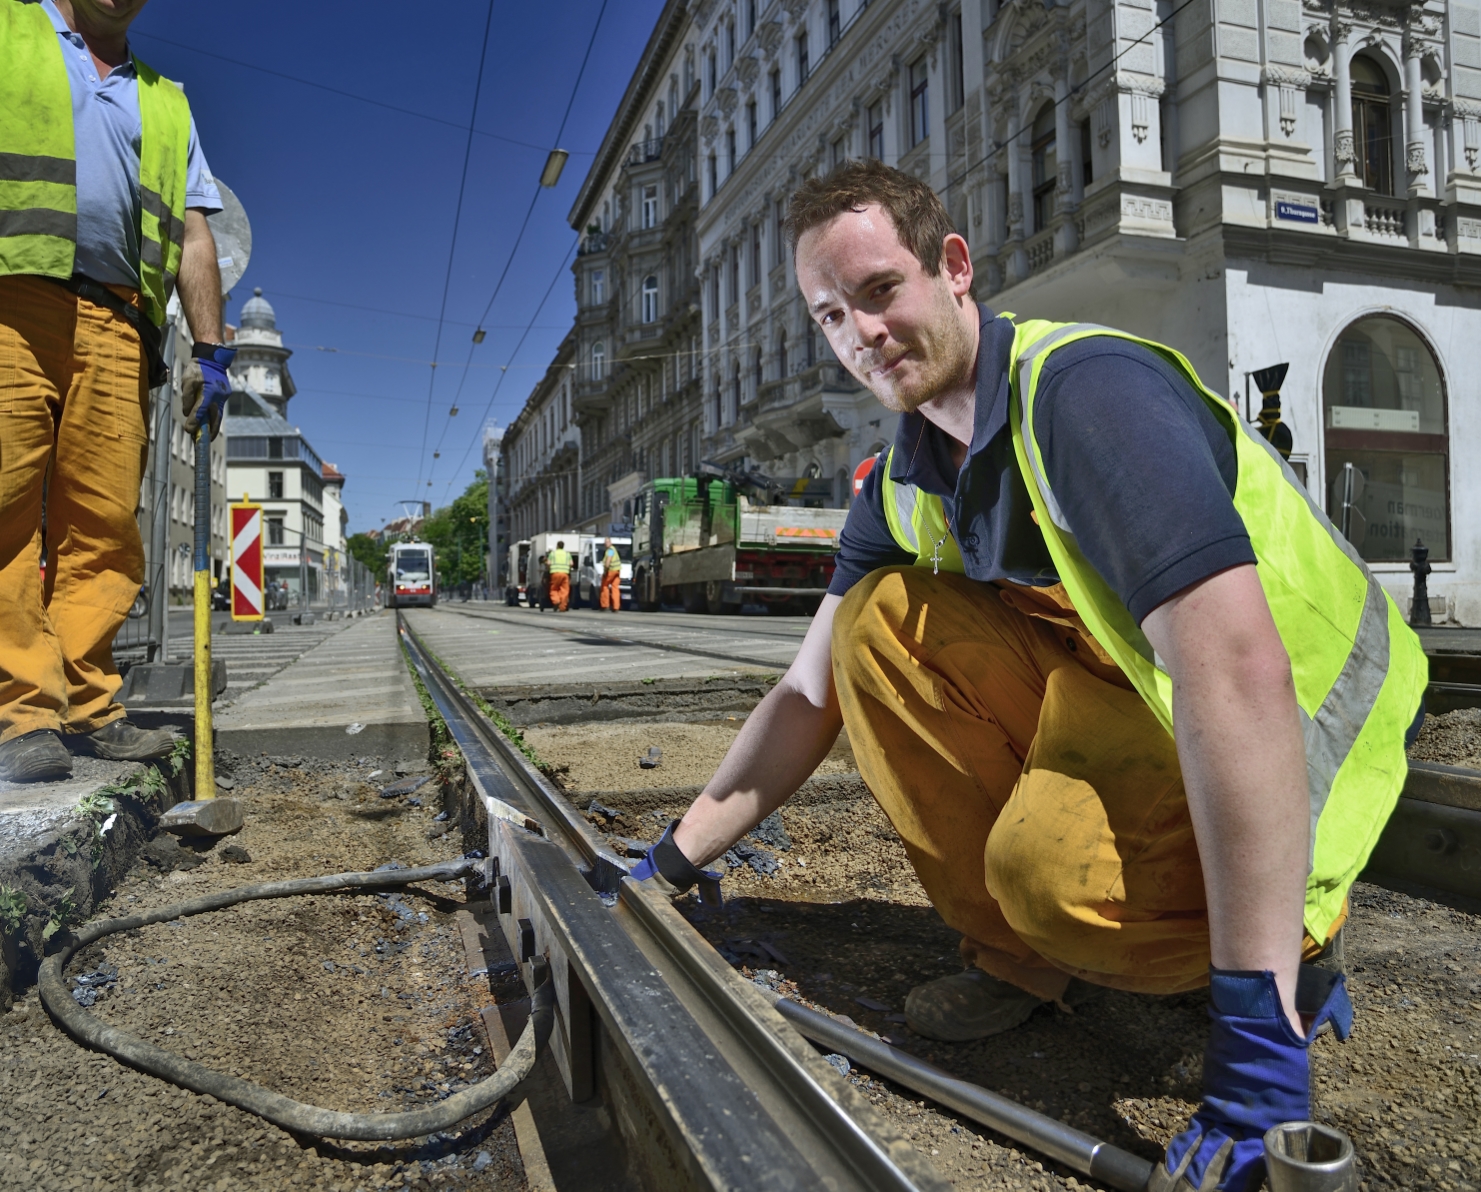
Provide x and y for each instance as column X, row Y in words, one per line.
column 860, row 472
column 246, row 562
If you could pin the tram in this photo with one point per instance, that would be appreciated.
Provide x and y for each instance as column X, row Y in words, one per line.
column 411, row 575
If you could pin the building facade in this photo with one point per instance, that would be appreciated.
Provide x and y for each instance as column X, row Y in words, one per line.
column 621, row 402
column 1254, row 182
column 269, row 461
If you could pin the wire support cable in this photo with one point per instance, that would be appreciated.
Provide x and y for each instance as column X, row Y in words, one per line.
column 452, row 247
column 529, row 211
column 294, row 1116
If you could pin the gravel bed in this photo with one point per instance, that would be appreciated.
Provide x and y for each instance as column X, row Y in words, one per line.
column 360, row 1003
column 828, row 910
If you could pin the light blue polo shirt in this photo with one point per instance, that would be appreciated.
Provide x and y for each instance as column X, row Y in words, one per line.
column 107, row 132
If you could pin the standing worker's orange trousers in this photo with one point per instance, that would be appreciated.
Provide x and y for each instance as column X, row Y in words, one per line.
column 612, row 590
column 560, row 591
column 1038, row 798
column 74, row 416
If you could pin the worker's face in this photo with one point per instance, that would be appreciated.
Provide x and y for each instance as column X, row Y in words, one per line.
column 107, row 15
column 907, row 335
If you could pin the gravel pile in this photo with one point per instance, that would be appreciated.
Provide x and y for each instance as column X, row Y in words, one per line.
column 1452, row 739
column 358, row 1003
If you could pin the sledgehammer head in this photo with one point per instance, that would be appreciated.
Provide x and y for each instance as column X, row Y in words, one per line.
column 207, row 817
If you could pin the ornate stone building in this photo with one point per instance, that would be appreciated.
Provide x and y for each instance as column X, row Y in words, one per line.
column 631, row 363
column 1254, row 182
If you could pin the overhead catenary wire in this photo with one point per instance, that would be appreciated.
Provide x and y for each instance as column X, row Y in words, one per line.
column 452, row 247
column 519, row 238
column 378, row 103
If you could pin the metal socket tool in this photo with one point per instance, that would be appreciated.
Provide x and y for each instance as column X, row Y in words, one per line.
column 1308, row 1157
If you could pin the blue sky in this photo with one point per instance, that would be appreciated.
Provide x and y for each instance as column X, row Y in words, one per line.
column 352, row 205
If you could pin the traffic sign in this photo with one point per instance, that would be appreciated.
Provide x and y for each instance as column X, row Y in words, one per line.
column 860, row 472
column 246, row 562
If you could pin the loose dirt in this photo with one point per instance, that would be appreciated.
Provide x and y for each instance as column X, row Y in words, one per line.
column 840, row 922
column 355, row 1003
column 1453, row 739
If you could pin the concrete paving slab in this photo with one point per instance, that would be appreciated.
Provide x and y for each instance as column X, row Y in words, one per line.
column 493, row 646
column 357, row 677
column 59, row 861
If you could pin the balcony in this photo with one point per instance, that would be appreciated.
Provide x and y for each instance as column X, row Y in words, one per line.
column 645, row 151
column 594, row 242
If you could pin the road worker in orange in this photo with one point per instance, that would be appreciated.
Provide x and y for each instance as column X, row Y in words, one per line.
column 611, row 577
column 558, row 563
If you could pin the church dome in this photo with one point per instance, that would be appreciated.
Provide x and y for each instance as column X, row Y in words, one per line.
column 256, row 312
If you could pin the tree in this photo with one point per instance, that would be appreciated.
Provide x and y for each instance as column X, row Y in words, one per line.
column 460, row 533
column 368, row 552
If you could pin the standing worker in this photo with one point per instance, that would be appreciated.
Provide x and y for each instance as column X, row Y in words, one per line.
column 1121, row 749
column 558, row 563
column 611, row 578
column 104, row 194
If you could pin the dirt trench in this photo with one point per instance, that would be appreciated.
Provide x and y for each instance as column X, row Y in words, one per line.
column 359, row 1003
column 827, row 909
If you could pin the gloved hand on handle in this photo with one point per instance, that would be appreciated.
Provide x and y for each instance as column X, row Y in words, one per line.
column 666, row 868
column 206, row 386
column 1256, row 1074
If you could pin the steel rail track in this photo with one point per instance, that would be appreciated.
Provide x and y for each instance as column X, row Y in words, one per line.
column 707, row 1085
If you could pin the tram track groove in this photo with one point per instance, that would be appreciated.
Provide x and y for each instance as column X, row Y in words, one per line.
column 727, row 1094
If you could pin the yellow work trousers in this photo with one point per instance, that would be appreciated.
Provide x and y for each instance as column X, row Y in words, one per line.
column 1038, row 798
column 74, row 416
column 611, row 595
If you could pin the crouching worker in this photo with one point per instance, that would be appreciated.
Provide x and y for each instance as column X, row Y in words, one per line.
column 1135, row 708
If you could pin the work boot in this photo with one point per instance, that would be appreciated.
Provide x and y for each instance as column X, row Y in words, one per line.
column 120, row 741
column 967, row 1005
column 35, row 757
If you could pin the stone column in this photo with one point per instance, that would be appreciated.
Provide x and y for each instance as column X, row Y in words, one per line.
column 1342, row 146
column 1066, row 240
column 1414, row 151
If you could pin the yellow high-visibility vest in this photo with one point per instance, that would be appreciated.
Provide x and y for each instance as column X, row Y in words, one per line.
column 38, row 184
column 1360, row 671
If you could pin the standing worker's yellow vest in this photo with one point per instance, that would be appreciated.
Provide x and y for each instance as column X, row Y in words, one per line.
column 559, row 562
column 1360, row 672
column 38, row 161
column 611, row 560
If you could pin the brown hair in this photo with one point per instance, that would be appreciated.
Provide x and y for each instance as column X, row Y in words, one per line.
column 919, row 216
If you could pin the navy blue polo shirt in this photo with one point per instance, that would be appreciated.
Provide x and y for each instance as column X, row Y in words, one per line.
column 1143, row 470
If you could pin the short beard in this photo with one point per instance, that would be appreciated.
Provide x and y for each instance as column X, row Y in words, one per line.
column 943, row 355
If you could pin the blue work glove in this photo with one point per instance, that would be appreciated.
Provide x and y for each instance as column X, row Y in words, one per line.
column 1256, row 1074
column 668, row 869
column 206, row 387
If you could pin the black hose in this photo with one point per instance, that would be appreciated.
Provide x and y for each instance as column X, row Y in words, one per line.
column 291, row 1115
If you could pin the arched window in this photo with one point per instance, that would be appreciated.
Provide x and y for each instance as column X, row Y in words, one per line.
column 1045, row 157
column 1385, row 416
column 650, row 299
column 735, row 390
column 758, row 370
column 1372, row 125
column 599, row 361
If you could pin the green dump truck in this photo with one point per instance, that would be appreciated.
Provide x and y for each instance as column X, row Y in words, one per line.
column 712, row 546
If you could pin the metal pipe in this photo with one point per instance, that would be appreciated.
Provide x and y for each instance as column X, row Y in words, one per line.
column 1309, row 1157
column 205, row 739
column 1074, row 1148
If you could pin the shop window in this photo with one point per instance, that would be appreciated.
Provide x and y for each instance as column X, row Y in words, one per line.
column 1385, row 415
column 1372, row 125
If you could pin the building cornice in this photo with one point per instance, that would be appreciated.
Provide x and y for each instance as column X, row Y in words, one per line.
column 639, row 88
